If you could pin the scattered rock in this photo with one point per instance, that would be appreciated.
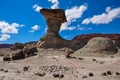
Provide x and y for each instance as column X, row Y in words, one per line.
column 40, row 74
column 56, row 69
column 117, row 73
column 1, row 69
column 25, row 68
column 94, row 59
column 84, row 77
column 56, row 75
column 61, row 75
column 109, row 73
column 18, row 72
column 101, row 62
column 7, row 57
column 91, row 74
column 5, row 70
column 80, row 58
column 104, row 74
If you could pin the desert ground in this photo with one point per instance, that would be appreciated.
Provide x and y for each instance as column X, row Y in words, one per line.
column 61, row 68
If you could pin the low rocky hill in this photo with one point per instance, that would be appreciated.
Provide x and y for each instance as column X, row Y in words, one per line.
column 97, row 46
column 81, row 40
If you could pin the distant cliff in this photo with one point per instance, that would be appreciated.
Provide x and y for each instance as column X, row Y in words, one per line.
column 5, row 45
column 87, row 37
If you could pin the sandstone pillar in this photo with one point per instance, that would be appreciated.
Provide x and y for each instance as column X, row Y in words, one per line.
column 54, row 19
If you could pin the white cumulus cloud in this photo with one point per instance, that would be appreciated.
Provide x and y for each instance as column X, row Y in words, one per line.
column 72, row 15
column 4, row 37
column 55, row 4
column 5, row 27
column 34, row 28
column 104, row 18
column 36, row 7
column 65, row 26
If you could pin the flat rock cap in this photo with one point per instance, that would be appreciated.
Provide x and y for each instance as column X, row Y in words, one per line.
column 58, row 14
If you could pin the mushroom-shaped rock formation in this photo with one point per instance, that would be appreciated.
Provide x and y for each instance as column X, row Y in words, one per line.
column 54, row 19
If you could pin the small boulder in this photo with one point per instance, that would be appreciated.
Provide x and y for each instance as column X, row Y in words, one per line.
column 109, row 72
column 25, row 68
column 40, row 74
column 68, row 51
column 7, row 57
column 117, row 73
column 83, row 77
column 56, row 75
column 91, row 74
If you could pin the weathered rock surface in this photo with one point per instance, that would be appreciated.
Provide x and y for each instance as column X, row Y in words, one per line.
column 54, row 19
column 20, row 51
column 97, row 46
column 30, row 49
column 100, row 45
column 14, row 55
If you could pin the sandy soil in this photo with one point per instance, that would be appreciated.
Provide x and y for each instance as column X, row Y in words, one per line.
column 38, row 68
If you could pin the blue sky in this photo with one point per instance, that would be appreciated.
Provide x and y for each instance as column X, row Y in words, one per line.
column 21, row 21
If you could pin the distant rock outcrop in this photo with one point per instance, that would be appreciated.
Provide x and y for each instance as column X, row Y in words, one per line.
column 97, row 46
column 54, row 19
